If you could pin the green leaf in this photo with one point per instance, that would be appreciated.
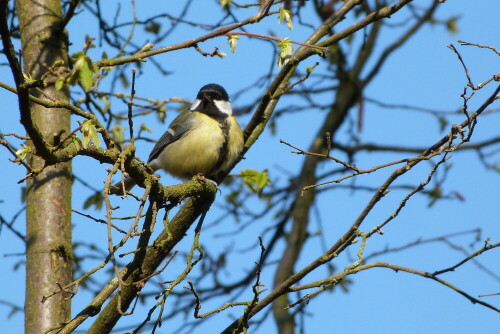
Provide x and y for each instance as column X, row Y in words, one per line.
column 452, row 26
column 29, row 80
column 153, row 27
column 118, row 133
column 225, row 3
column 162, row 114
column 443, row 123
column 144, row 127
column 78, row 54
column 86, row 72
column 58, row 63
column 83, row 71
column 89, row 133
column 89, row 42
column 221, row 54
column 59, row 83
column 435, row 195
column 95, row 200
column 255, row 180
column 73, row 77
column 76, row 141
column 23, row 152
column 285, row 52
column 262, row 180
column 233, row 42
column 286, row 16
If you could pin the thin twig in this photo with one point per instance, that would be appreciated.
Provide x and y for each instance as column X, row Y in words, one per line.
column 277, row 39
column 480, row 46
column 129, row 105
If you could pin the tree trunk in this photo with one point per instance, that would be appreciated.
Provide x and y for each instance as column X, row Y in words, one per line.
column 345, row 97
column 48, row 213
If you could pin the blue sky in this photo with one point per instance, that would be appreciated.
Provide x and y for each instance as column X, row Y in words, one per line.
column 424, row 73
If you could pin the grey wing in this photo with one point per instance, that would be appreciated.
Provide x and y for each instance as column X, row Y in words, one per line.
column 179, row 126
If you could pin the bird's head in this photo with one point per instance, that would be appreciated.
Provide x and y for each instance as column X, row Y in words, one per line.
column 212, row 99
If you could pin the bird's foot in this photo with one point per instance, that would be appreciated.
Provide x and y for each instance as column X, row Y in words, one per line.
column 202, row 178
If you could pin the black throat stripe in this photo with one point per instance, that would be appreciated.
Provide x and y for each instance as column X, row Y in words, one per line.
column 224, row 148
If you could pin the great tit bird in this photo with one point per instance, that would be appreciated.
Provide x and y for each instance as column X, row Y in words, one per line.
column 204, row 139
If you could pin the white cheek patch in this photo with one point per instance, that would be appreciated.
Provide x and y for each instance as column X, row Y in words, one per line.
column 224, row 107
column 195, row 105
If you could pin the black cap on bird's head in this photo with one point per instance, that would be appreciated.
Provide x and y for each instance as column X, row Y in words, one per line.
column 212, row 99
column 217, row 92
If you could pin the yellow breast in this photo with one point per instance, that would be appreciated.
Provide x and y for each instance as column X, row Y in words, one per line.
column 198, row 150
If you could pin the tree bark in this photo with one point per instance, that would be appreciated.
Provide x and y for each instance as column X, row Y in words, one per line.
column 345, row 97
column 48, row 213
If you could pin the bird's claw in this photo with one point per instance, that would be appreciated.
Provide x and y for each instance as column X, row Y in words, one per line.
column 202, row 178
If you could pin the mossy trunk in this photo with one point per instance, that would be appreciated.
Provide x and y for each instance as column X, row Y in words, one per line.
column 48, row 214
